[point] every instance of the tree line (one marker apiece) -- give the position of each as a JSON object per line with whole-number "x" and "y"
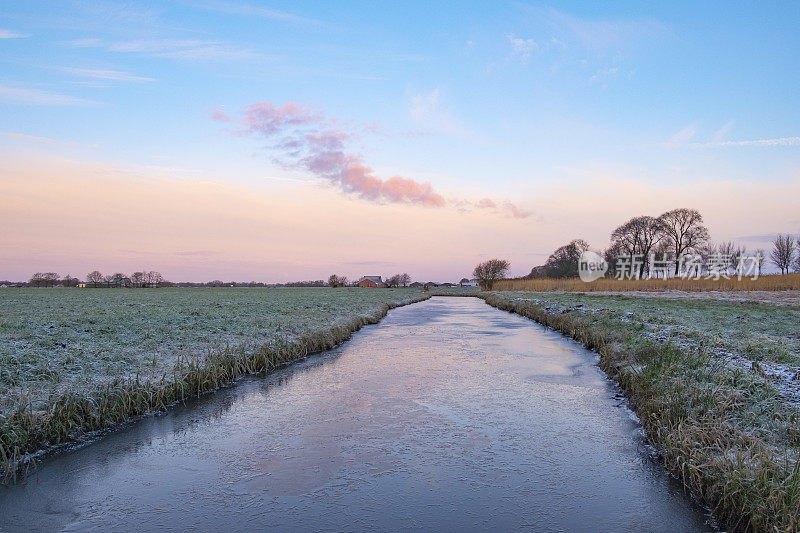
{"x": 673, "y": 235}
{"x": 150, "y": 278}
{"x": 397, "y": 280}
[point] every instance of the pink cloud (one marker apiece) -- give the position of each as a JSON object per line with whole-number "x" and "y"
{"x": 304, "y": 138}
{"x": 267, "y": 119}
{"x": 307, "y": 140}
{"x": 515, "y": 211}
{"x": 218, "y": 114}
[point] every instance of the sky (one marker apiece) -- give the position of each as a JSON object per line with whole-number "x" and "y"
{"x": 279, "y": 141}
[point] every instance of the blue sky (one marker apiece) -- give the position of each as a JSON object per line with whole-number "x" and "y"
{"x": 496, "y": 100}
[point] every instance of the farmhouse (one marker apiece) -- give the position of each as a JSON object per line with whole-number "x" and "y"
{"x": 371, "y": 281}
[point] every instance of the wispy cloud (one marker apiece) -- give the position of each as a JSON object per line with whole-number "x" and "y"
{"x": 113, "y": 75}
{"x": 430, "y": 110}
{"x": 196, "y": 253}
{"x": 89, "y": 42}
{"x": 188, "y": 49}
{"x": 522, "y": 48}
{"x": 515, "y": 211}
{"x": 249, "y": 10}
{"x": 720, "y": 134}
{"x": 682, "y": 136}
{"x": 219, "y": 114}
{"x": 781, "y": 141}
{"x": 40, "y": 140}
{"x": 26, "y": 96}
{"x": 598, "y": 34}
{"x": 8, "y": 34}
{"x": 604, "y": 74}
{"x": 505, "y": 208}
{"x": 27, "y": 138}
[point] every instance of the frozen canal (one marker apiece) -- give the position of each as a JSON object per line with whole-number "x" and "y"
{"x": 448, "y": 415}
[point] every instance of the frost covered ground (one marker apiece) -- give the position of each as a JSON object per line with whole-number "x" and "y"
{"x": 58, "y": 340}
{"x": 788, "y": 298}
{"x": 747, "y": 331}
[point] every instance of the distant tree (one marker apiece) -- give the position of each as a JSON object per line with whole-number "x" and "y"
{"x": 337, "y": 281}
{"x": 737, "y": 258}
{"x": 563, "y": 263}
{"x": 153, "y": 278}
{"x": 796, "y": 264}
{"x": 94, "y": 277}
{"x": 137, "y": 279}
{"x": 708, "y": 249}
{"x": 490, "y": 272}
{"x": 393, "y": 281}
{"x": 405, "y": 279}
{"x": 685, "y": 231}
{"x": 37, "y": 280}
{"x": 783, "y": 252}
{"x": 726, "y": 252}
{"x": 69, "y": 281}
{"x": 761, "y": 256}
{"x": 638, "y": 237}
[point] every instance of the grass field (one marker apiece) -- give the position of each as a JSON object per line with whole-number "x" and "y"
{"x": 772, "y": 282}
{"x": 76, "y": 360}
{"x": 714, "y": 383}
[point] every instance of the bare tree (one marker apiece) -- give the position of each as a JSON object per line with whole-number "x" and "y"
{"x": 726, "y": 251}
{"x": 685, "y": 230}
{"x": 796, "y": 264}
{"x": 393, "y": 281}
{"x": 783, "y": 252}
{"x": 94, "y": 277}
{"x": 37, "y": 280}
{"x": 490, "y": 272}
{"x": 738, "y": 258}
{"x": 761, "y": 256}
{"x": 153, "y": 278}
{"x": 137, "y": 279}
{"x": 405, "y": 279}
{"x": 637, "y": 237}
{"x": 337, "y": 281}
{"x": 69, "y": 281}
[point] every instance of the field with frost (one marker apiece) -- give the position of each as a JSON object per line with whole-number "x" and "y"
{"x": 57, "y": 339}
{"x": 77, "y": 360}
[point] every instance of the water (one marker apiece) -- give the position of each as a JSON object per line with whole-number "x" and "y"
{"x": 448, "y": 415}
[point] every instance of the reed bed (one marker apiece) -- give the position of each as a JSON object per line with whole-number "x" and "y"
{"x": 29, "y": 426}
{"x": 723, "y": 430}
{"x": 773, "y": 282}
